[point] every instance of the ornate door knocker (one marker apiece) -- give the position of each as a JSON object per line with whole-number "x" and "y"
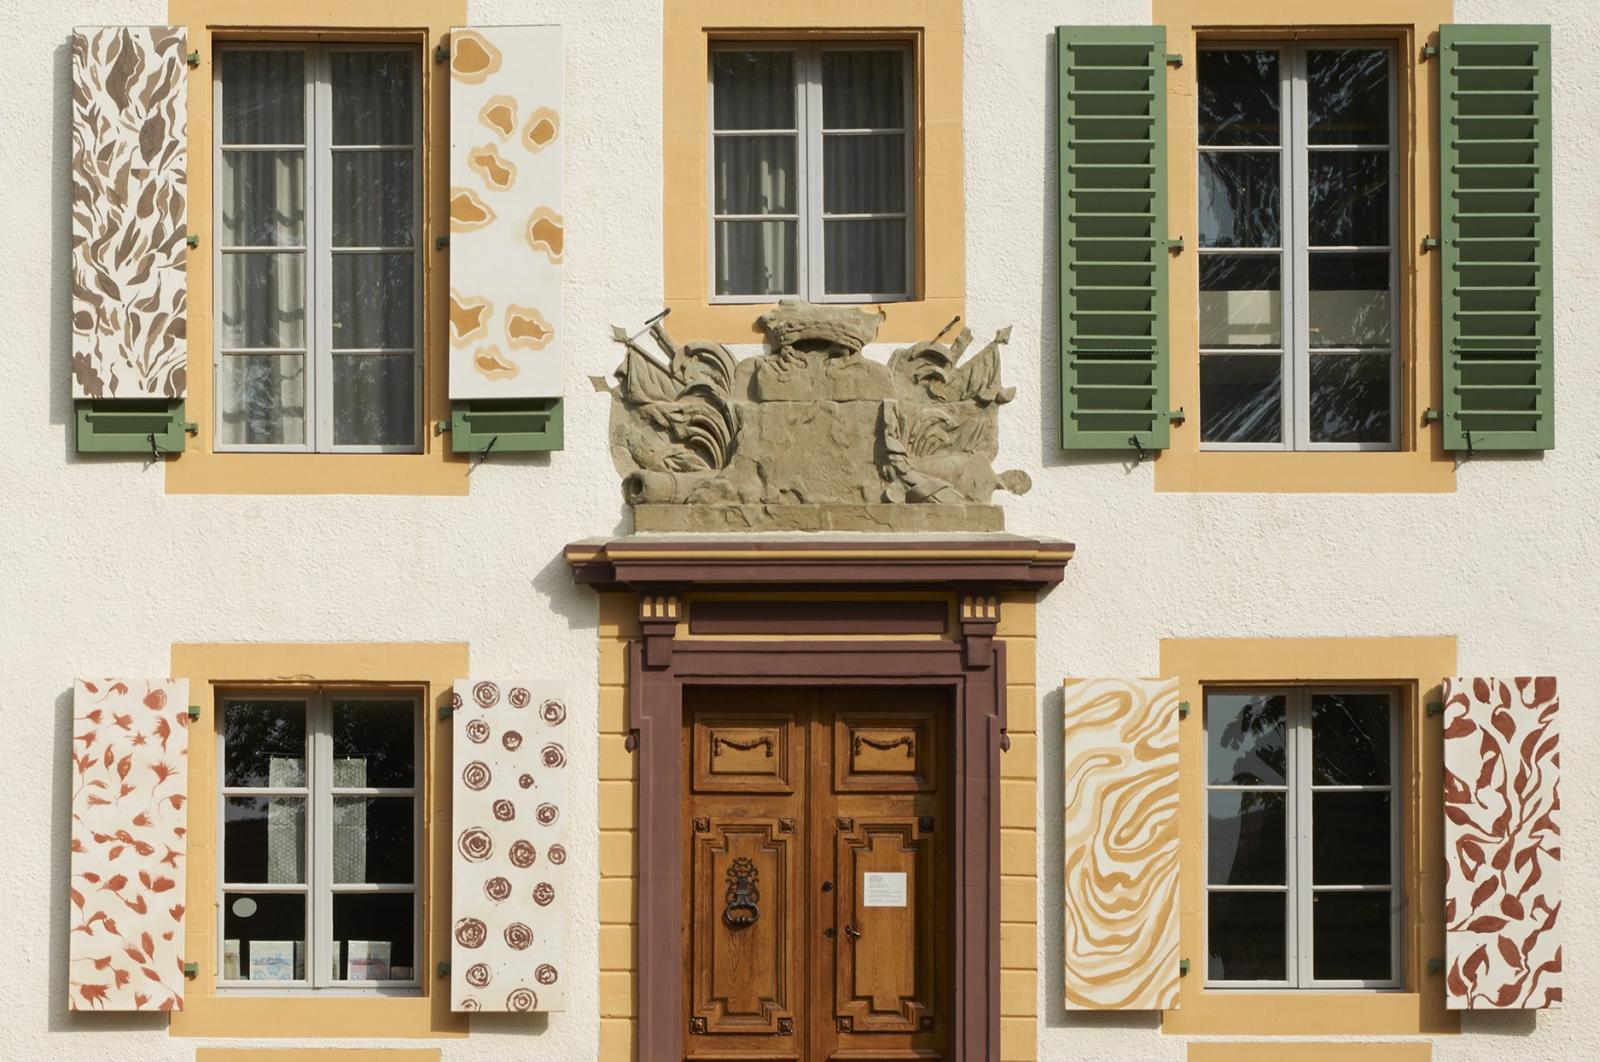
{"x": 742, "y": 897}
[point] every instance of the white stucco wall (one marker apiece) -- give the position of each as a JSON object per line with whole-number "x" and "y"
{"x": 102, "y": 570}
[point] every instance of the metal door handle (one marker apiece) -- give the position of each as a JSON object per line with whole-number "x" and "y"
{"x": 852, "y": 932}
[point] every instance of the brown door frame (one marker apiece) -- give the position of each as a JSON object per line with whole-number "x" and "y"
{"x": 976, "y": 686}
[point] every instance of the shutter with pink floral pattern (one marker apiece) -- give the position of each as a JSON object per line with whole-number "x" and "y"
{"x": 130, "y": 746}
{"x": 508, "y": 903}
{"x": 1502, "y": 808}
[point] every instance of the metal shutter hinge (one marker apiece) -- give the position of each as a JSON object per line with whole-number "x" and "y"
{"x": 443, "y": 969}
{"x": 446, "y": 712}
{"x": 192, "y": 241}
{"x": 441, "y": 426}
{"x": 1431, "y": 416}
{"x": 1430, "y": 243}
{"x": 1435, "y": 965}
{"x": 1430, "y": 51}
{"x": 1175, "y": 58}
{"x": 1183, "y": 709}
{"x": 193, "y": 58}
{"x": 441, "y": 242}
{"x": 1177, "y": 416}
{"x": 191, "y": 970}
{"x": 1183, "y": 967}
{"x": 441, "y": 54}
{"x": 194, "y": 711}
{"x": 1175, "y": 244}
{"x": 1435, "y": 708}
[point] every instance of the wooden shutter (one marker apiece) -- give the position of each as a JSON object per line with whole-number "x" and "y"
{"x": 130, "y": 745}
{"x": 129, "y": 213}
{"x": 1121, "y": 844}
{"x": 1113, "y": 228}
{"x": 508, "y": 884}
{"x": 507, "y": 235}
{"x": 1495, "y": 159}
{"x": 1502, "y": 832}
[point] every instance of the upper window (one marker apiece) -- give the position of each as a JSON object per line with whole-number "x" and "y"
{"x": 1302, "y": 839}
{"x": 1297, "y": 216}
{"x": 810, "y": 181}
{"x": 317, "y": 270}
{"x": 319, "y": 850}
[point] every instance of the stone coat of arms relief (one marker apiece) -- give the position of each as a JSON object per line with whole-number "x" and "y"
{"x": 810, "y": 435}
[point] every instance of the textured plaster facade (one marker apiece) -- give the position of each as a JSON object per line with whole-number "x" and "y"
{"x": 104, "y": 570}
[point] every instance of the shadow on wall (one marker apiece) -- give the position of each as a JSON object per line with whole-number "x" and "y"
{"x": 1052, "y": 861}
{"x": 1051, "y": 455}
{"x": 60, "y": 920}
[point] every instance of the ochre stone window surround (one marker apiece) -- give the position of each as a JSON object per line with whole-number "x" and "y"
{"x": 1415, "y": 666}
{"x": 432, "y": 668}
{"x": 424, "y": 24}
{"x": 1420, "y": 464}
{"x": 932, "y": 30}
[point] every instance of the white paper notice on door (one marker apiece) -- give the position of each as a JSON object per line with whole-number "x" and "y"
{"x": 883, "y": 890}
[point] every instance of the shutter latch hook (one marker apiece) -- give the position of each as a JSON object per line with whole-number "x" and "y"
{"x": 1133, "y": 441}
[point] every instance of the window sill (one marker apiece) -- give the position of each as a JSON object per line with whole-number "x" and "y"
{"x": 433, "y": 472}
{"x": 1184, "y": 469}
{"x": 1229, "y": 1012}
{"x": 907, "y": 321}
{"x": 236, "y": 1015}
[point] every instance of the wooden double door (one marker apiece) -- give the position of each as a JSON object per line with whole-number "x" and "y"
{"x": 817, "y": 874}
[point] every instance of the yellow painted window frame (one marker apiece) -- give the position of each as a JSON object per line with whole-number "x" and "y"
{"x": 432, "y": 667}
{"x": 933, "y": 30}
{"x": 1417, "y": 666}
{"x": 200, "y": 469}
{"x": 1420, "y": 464}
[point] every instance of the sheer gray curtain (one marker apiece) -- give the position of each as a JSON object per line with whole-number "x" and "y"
{"x": 262, "y": 207}
{"x": 865, "y": 171}
{"x": 755, "y": 173}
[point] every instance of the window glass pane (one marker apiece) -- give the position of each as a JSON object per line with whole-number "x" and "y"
{"x": 1350, "y": 300}
{"x": 1348, "y": 96}
{"x": 261, "y": 400}
{"x": 264, "y": 936}
{"x": 1351, "y": 936}
{"x": 756, "y": 258}
{"x": 1240, "y": 396}
{"x": 755, "y": 175}
{"x": 1246, "y": 936}
{"x": 1350, "y": 398}
{"x": 1350, "y": 838}
{"x": 1349, "y": 198}
{"x": 372, "y": 199}
{"x": 373, "y": 97}
{"x": 1239, "y": 199}
{"x": 1350, "y": 739}
{"x": 1245, "y": 839}
{"x": 1239, "y": 94}
{"x": 263, "y": 300}
{"x": 1241, "y": 300}
{"x": 264, "y": 841}
{"x": 263, "y": 96}
{"x": 374, "y": 744}
{"x": 372, "y": 301}
{"x": 373, "y": 937}
{"x": 263, "y": 199}
{"x": 372, "y": 840}
{"x": 863, "y": 89}
{"x": 864, "y": 174}
{"x": 374, "y": 400}
{"x": 264, "y": 743}
{"x": 865, "y": 257}
{"x": 1244, "y": 738}
{"x": 753, "y": 90}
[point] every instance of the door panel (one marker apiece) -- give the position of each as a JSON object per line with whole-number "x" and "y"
{"x": 817, "y": 875}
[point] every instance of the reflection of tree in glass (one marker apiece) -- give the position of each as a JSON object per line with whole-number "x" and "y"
{"x": 1238, "y": 97}
{"x": 255, "y": 732}
{"x": 1261, "y": 721}
{"x": 1350, "y": 739}
{"x": 1349, "y": 96}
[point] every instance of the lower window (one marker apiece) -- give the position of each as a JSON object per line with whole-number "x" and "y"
{"x": 319, "y": 850}
{"x": 1302, "y": 838}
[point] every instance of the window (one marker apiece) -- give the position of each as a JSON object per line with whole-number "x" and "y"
{"x": 317, "y": 270}
{"x": 1297, "y": 216}
{"x": 1302, "y": 838}
{"x": 811, "y": 173}
{"x": 319, "y": 850}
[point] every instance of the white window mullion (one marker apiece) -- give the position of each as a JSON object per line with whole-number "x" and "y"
{"x": 1297, "y": 258}
{"x": 1304, "y": 893}
{"x": 813, "y": 261}
{"x": 320, "y": 177}
{"x": 320, "y": 945}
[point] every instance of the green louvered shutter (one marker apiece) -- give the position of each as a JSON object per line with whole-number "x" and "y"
{"x": 1113, "y": 220}
{"x": 1495, "y": 158}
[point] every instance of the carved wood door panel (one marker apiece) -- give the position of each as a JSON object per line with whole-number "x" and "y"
{"x": 816, "y": 881}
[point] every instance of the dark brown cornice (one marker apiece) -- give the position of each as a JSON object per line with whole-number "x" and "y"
{"x": 682, "y": 562}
